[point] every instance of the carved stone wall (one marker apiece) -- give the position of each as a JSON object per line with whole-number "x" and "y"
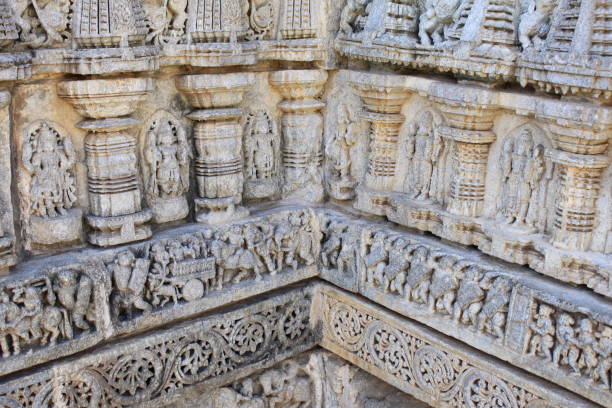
{"x": 193, "y": 191}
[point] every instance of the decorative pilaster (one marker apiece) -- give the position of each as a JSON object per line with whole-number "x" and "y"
{"x": 581, "y": 134}
{"x": 383, "y": 97}
{"x": 7, "y": 239}
{"x": 302, "y": 127}
{"x": 469, "y": 114}
{"x": 218, "y": 141}
{"x": 116, "y": 214}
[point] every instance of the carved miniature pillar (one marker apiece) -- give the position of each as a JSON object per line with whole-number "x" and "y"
{"x": 580, "y": 138}
{"x": 218, "y": 142}
{"x": 383, "y": 96}
{"x": 302, "y": 127}
{"x": 469, "y": 114}
{"x": 116, "y": 214}
{"x": 7, "y": 240}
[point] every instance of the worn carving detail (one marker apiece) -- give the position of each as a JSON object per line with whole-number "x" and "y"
{"x": 166, "y": 157}
{"x": 218, "y": 136}
{"x": 339, "y": 158}
{"x": 52, "y": 309}
{"x": 302, "y": 127}
{"x": 154, "y": 370}
{"x": 474, "y": 301}
{"x": 417, "y": 362}
{"x": 116, "y": 214}
{"x": 261, "y": 159}
{"x": 49, "y": 158}
{"x": 104, "y": 23}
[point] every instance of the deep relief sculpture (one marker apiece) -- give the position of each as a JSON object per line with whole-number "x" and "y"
{"x": 262, "y": 142}
{"x": 218, "y": 21}
{"x": 299, "y": 19}
{"x": 42, "y": 23}
{"x": 535, "y": 23}
{"x": 169, "y": 361}
{"x": 100, "y": 23}
{"x": 525, "y": 177}
{"x": 168, "y": 274}
{"x": 436, "y": 19}
{"x": 290, "y": 385}
{"x": 507, "y": 315}
{"x": 339, "y": 158}
{"x": 167, "y": 21}
{"x": 49, "y": 158}
{"x": 416, "y": 362}
{"x": 167, "y": 155}
{"x": 47, "y": 310}
{"x": 424, "y": 149}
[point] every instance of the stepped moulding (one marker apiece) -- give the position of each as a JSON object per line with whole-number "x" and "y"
{"x": 383, "y": 97}
{"x": 115, "y": 214}
{"x": 302, "y": 129}
{"x": 218, "y": 135}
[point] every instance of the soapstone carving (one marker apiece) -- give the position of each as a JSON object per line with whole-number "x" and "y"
{"x": 167, "y": 156}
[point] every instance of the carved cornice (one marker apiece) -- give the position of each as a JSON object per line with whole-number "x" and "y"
{"x": 156, "y": 368}
{"x": 418, "y": 361}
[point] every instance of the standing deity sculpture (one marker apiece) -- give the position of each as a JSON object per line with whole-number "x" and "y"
{"x": 423, "y": 150}
{"x": 166, "y": 158}
{"x": 523, "y": 167}
{"x": 49, "y": 158}
{"x": 435, "y": 19}
{"x": 261, "y": 144}
{"x": 535, "y": 23}
{"x": 338, "y": 153}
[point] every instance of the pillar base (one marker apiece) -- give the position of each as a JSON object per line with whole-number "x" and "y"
{"x": 215, "y": 211}
{"x": 121, "y": 229}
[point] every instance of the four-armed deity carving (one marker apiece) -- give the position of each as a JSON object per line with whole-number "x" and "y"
{"x": 167, "y": 155}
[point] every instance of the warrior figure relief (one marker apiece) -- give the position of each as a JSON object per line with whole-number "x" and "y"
{"x": 49, "y": 158}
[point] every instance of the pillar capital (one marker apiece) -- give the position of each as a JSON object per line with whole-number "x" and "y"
{"x": 115, "y": 215}
{"x": 218, "y": 141}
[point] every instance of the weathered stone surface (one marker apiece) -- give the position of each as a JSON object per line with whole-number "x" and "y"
{"x": 154, "y": 368}
{"x": 416, "y": 360}
{"x": 164, "y": 161}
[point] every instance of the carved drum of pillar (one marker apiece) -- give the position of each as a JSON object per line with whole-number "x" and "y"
{"x": 469, "y": 114}
{"x": 116, "y": 214}
{"x": 218, "y": 142}
{"x": 108, "y": 23}
{"x": 302, "y": 128}
{"x": 383, "y": 97}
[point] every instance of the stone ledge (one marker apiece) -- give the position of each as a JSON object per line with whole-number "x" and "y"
{"x": 418, "y": 361}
